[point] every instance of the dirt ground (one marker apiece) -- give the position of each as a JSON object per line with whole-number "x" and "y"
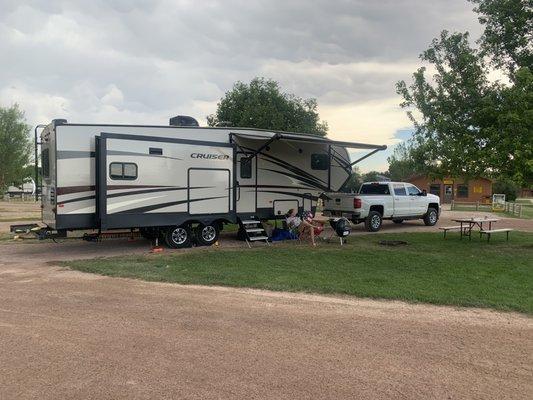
{"x": 66, "y": 334}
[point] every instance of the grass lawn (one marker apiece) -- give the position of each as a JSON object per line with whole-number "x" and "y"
{"x": 429, "y": 269}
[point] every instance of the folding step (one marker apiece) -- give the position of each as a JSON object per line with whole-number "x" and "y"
{"x": 249, "y": 230}
{"x": 254, "y": 238}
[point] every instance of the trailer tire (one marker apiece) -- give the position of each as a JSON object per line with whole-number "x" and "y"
{"x": 207, "y": 234}
{"x": 178, "y": 237}
{"x": 373, "y": 221}
{"x": 431, "y": 217}
{"x": 397, "y": 221}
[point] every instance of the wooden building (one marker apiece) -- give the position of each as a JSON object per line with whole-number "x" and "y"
{"x": 458, "y": 189}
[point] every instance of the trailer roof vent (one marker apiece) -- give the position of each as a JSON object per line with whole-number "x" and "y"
{"x": 183, "y": 120}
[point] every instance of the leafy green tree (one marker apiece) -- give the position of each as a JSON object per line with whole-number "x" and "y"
{"x": 405, "y": 162}
{"x": 507, "y": 187}
{"x": 262, "y": 104}
{"x": 453, "y": 105}
{"x": 373, "y": 176}
{"x": 508, "y": 32}
{"x": 467, "y": 125}
{"x": 15, "y": 146}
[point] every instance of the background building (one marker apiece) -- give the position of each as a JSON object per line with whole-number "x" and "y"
{"x": 458, "y": 189}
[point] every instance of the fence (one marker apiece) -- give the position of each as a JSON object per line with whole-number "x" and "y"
{"x": 474, "y": 205}
{"x": 514, "y": 208}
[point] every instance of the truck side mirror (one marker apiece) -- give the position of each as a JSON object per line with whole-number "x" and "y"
{"x": 424, "y": 192}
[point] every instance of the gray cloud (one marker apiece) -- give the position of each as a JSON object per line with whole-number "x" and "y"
{"x": 142, "y": 61}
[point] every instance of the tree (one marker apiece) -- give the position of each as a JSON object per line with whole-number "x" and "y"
{"x": 405, "y": 162}
{"x": 373, "y": 176}
{"x": 262, "y": 104}
{"x": 508, "y": 32}
{"x": 15, "y": 146}
{"x": 452, "y": 106}
{"x": 468, "y": 125}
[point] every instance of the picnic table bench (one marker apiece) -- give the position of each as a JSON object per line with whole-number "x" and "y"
{"x": 449, "y": 228}
{"x": 491, "y": 231}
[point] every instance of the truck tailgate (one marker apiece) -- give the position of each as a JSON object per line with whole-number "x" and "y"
{"x": 339, "y": 201}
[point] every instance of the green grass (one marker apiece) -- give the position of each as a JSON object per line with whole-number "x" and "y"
{"x": 14, "y": 219}
{"x": 429, "y": 269}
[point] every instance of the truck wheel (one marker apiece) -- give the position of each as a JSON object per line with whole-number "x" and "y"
{"x": 431, "y": 217}
{"x": 178, "y": 237}
{"x": 397, "y": 221}
{"x": 373, "y": 221}
{"x": 206, "y": 235}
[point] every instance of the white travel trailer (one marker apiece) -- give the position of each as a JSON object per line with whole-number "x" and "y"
{"x": 165, "y": 180}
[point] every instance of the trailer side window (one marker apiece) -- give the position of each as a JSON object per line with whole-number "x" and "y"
{"x": 319, "y": 161}
{"x": 246, "y": 168}
{"x": 123, "y": 171}
{"x": 45, "y": 163}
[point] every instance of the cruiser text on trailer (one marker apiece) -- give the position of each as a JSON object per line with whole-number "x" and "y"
{"x": 166, "y": 179}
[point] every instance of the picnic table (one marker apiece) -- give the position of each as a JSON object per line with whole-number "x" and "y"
{"x": 468, "y": 224}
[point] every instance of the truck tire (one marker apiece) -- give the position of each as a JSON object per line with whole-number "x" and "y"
{"x": 373, "y": 221}
{"x": 178, "y": 237}
{"x": 397, "y": 221}
{"x": 431, "y": 217}
{"x": 207, "y": 234}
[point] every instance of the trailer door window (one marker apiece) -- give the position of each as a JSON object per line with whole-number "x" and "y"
{"x": 319, "y": 161}
{"x": 123, "y": 171}
{"x": 45, "y": 163}
{"x": 246, "y": 168}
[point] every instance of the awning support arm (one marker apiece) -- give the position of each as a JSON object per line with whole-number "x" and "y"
{"x": 277, "y": 136}
{"x": 366, "y": 156}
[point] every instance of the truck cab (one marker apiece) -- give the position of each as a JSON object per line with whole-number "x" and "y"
{"x": 376, "y": 201}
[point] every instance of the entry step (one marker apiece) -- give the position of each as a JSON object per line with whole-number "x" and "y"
{"x": 254, "y": 230}
{"x": 254, "y": 238}
{"x": 250, "y": 221}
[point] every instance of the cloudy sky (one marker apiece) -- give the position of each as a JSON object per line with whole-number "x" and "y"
{"x": 142, "y": 61}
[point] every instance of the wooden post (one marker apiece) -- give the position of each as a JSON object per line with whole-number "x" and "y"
{"x": 477, "y": 205}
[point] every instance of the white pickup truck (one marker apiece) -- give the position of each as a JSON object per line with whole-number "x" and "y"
{"x": 377, "y": 201}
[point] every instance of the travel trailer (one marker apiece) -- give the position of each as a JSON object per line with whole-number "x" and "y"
{"x": 182, "y": 183}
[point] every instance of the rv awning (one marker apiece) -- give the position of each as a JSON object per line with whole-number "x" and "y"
{"x": 300, "y": 137}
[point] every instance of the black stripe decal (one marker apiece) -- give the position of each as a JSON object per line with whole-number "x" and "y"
{"x": 163, "y": 205}
{"x": 131, "y": 193}
{"x": 301, "y": 195}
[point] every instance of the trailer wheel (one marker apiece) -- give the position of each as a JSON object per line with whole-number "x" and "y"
{"x": 207, "y": 234}
{"x": 178, "y": 237}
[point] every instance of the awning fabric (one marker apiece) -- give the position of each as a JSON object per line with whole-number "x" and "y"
{"x": 301, "y": 137}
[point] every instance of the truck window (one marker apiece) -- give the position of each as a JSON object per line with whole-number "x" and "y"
{"x": 374, "y": 188}
{"x": 399, "y": 190}
{"x": 413, "y": 190}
